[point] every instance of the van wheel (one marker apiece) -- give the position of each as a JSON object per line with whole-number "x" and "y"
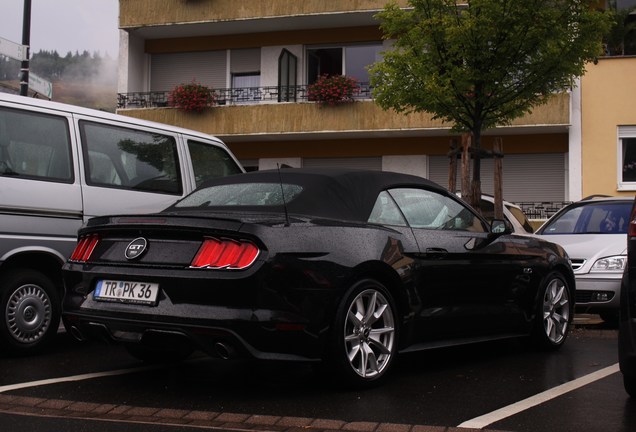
{"x": 29, "y": 311}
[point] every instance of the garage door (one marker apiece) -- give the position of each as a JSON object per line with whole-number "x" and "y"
{"x": 526, "y": 178}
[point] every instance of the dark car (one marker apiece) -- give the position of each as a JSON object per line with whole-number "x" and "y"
{"x": 627, "y": 323}
{"x": 342, "y": 267}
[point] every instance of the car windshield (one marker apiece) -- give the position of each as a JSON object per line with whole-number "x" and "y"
{"x": 591, "y": 218}
{"x": 242, "y": 194}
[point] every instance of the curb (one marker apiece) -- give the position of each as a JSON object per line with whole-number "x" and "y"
{"x": 59, "y": 408}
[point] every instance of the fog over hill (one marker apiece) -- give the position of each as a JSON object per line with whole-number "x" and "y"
{"x": 83, "y": 79}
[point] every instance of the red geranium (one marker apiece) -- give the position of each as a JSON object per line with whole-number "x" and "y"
{"x": 192, "y": 97}
{"x": 332, "y": 89}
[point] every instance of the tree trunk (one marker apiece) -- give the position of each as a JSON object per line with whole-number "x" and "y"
{"x": 452, "y": 168}
{"x": 466, "y": 188}
{"x": 476, "y": 182}
{"x": 498, "y": 155}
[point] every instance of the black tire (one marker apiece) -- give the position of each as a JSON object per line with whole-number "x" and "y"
{"x": 554, "y": 312}
{"x": 364, "y": 339}
{"x": 30, "y": 311}
{"x": 629, "y": 383}
{"x": 153, "y": 354}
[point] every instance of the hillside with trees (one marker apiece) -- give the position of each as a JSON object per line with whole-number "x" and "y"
{"x": 84, "y": 79}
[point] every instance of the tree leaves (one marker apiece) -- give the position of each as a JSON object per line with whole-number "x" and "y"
{"x": 486, "y": 62}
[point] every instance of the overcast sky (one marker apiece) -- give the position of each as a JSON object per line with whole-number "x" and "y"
{"x": 64, "y": 25}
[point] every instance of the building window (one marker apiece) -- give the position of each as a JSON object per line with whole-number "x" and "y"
{"x": 323, "y": 61}
{"x": 350, "y": 60}
{"x": 359, "y": 58}
{"x": 627, "y": 175}
{"x": 246, "y": 87}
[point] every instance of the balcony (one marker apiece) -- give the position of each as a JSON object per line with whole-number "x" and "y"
{"x": 232, "y": 96}
{"x": 265, "y": 114}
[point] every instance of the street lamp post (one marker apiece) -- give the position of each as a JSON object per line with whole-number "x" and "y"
{"x": 26, "y": 41}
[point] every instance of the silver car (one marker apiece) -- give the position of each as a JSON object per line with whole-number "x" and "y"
{"x": 593, "y": 232}
{"x": 512, "y": 213}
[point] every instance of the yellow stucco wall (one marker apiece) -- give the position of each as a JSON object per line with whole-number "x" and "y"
{"x": 135, "y": 13}
{"x": 608, "y": 100}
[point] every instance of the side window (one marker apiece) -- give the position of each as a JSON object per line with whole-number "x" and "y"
{"x": 210, "y": 162}
{"x": 386, "y": 212}
{"x": 427, "y": 209}
{"x": 130, "y": 159}
{"x": 35, "y": 146}
{"x": 607, "y": 218}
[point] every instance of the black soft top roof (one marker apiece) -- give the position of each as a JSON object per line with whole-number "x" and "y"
{"x": 333, "y": 193}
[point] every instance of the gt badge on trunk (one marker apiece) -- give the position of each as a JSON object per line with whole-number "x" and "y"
{"x": 136, "y": 248}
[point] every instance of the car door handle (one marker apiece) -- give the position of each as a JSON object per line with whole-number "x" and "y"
{"x": 432, "y": 252}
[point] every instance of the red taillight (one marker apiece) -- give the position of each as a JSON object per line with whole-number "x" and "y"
{"x": 85, "y": 247}
{"x": 225, "y": 253}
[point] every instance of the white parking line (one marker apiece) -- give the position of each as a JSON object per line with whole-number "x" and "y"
{"x": 510, "y": 410}
{"x": 77, "y": 378}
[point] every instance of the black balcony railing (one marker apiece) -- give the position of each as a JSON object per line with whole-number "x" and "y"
{"x": 542, "y": 210}
{"x": 232, "y": 96}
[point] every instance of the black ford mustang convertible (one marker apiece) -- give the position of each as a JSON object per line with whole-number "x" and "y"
{"x": 339, "y": 266}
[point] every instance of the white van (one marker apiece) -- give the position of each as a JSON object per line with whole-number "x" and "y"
{"x": 59, "y": 166}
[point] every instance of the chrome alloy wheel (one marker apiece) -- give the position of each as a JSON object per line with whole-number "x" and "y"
{"x": 556, "y": 311}
{"x": 369, "y": 333}
{"x": 29, "y": 313}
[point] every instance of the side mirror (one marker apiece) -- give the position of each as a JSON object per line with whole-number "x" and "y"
{"x": 499, "y": 226}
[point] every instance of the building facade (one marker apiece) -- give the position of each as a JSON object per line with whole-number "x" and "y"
{"x": 260, "y": 56}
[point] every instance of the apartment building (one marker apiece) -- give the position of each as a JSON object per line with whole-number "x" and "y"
{"x": 260, "y": 56}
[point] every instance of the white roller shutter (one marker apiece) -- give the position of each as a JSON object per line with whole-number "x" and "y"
{"x": 245, "y": 61}
{"x": 526, "y": 178}
{"x": 626, "y": 131}
{"x": 169, "y": 70}
{"x": 371, "y": 163}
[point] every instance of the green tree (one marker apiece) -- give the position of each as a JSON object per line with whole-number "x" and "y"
{"x": 622, "y": 35}
{"x": 481, "y": 63}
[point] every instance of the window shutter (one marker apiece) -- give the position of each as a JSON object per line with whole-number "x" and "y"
{"x": 207, "y": 68}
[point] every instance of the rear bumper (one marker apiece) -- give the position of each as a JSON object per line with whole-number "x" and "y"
{"x": 241, "y": 339}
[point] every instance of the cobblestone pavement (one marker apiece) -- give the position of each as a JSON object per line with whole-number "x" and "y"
{"x": 200, "y": 419}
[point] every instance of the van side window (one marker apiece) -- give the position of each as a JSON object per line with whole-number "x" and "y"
{"x": 131, "y": 159}
{"x": 35, "y": 146}
{"x": 210, "y": 162}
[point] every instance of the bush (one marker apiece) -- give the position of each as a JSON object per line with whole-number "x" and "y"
{"x": 332, "y": 89}
{"x": 192, "y": 97}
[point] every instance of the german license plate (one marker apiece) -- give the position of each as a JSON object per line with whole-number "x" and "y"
{"x": 127, "y": 292}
